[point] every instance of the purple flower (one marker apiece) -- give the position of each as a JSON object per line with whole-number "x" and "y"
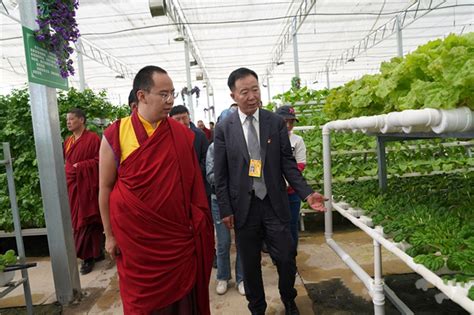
{"x": 57, "y": 28}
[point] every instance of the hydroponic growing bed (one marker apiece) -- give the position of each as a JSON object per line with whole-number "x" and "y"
{"x": 426, "y": 222}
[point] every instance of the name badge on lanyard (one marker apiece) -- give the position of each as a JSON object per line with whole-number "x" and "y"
{"x": 255, "y": 168}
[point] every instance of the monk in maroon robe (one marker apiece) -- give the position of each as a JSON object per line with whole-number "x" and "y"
{"x": 154, "y": 206}
{"x": 81, "y": 152}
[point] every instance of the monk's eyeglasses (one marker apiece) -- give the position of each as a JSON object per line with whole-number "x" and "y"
{"x": 166, "y": 97}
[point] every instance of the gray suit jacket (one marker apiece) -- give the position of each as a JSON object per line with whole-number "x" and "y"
{"x": 231, "y": 166}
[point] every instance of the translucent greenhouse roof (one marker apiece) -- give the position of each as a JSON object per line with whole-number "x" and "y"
{"x": 226, "y": 35}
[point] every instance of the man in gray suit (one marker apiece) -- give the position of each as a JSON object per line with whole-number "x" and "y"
{"x": 252, "y": 160}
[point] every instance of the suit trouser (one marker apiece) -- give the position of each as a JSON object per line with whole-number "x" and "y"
{"x": 263, "y": 224}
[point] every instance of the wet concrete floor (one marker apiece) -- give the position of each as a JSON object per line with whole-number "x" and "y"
{"x": 320, "y": 269}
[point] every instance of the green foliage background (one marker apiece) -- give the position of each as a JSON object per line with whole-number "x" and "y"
{"x": 17, "y": 129}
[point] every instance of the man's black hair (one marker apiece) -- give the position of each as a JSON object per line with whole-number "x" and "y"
{"x": 132, "y": 97}
{"x": 178, "y": 109}
{"x": 239, "y": 74}
{"x": 79, "y": 113}
{"x": 144, "y": 78}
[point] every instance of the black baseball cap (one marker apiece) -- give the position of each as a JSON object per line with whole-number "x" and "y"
{"x": 287, "y": 112}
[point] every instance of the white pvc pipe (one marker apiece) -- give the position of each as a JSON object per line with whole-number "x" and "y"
{"x": 378, "y": 296}
{"x": 410, "y": 117}
{"x": 327, "y": 182}
{"x": 347, "y": 259}
{"x": 304, "y": 128}
{"x": 450, "y": 291}
{"x": 439, "y": 121}
{"x": 459, "y": 119}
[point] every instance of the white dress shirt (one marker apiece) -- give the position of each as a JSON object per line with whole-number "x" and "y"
{"x": 244, "y": 123}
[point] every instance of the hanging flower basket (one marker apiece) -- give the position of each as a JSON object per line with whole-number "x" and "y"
{"x": 57, "y": 29}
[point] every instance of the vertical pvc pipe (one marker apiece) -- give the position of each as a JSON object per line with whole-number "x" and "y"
{"x": 378, "y": 298}
{"x": 327, "y": 181}
{"x": 188, "y": 80}
{"x": 295, "y": 50}
{"x": 399, "y": 37}
{"x": 80, "y": 65}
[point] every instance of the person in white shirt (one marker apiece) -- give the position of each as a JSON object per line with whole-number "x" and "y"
{"x": 299, "y": 152}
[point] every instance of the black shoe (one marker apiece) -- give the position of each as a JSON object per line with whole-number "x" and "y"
{"x": 87, "y": 266}
{"x": 100, "y": 257}
{"x": 291, "y": 308}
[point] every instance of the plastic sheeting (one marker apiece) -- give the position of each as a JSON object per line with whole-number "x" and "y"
{"x": 231, "y": 34}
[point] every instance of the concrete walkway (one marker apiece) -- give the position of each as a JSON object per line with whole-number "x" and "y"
{"x": 316, "y": 262}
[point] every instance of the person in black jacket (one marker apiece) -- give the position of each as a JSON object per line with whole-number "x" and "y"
{"x": 252, "y": 159}
{"x": 181, "y": 114}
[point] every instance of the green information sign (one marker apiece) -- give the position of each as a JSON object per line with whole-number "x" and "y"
{"x": 41, "y": 63}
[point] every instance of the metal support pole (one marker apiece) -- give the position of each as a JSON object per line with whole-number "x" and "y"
{"x": 327, "y": 77}
{"x": 80, "y": 64}
{"x": 208, "y": 104}
{"x": 399, "y": 38}
{"x": 49, "y": 153}
{"x": 188, "y": 79}
{"x": 268, "y": 90}
{"x": 17, "y": 226}
{"x": 382, "y": 164}
{"x": 295, "y": 50}
{"x": 214, "y": 107}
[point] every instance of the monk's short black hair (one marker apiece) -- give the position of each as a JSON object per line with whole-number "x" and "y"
{"x": 132, "y": 97}
{"x": 144, "y": 78}
{"x": 178, "y": 109}
{"x": 79, "y": 113}
{"x": 239, "y": 74}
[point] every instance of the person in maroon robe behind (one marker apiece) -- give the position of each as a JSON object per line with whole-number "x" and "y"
{"x": 206, "y": 131}
{"x": 153, "y": 205}
{"x": 81, "y": 153}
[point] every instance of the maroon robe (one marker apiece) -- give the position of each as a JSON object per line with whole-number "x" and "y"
{"x": 161, "y": 221}
{"x": 83, "y": 189}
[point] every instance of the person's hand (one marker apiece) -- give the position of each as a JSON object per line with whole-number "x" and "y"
{"x": 111, "y": 247}
{"x": 74, "y": 165}
{"x": 229, "y": 222}
{"x": 316, "y": 201}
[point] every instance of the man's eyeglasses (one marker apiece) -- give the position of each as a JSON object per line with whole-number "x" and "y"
{"x": 166, "y": 97}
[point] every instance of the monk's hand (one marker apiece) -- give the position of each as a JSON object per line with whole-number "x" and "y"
{"x": 111, "y": 247}
{"x": 229, "y": 222}
{"x": 316, "y": 201}
{"x": 74, "y": 165}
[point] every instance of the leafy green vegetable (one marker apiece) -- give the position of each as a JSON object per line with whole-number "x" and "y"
{"x": 6, "y": 259}
{"x": 439, "y": 74}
